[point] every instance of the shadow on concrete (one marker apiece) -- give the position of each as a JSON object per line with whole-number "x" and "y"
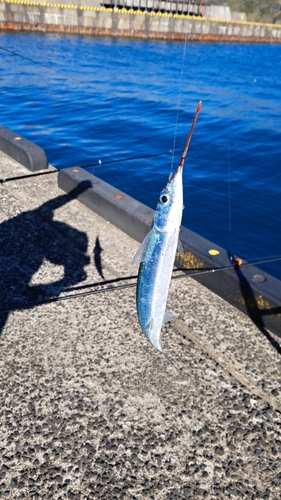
{"x": 97, "y": 257}
{"x": 32, "y": 237}
{"x": 255, "y": 313}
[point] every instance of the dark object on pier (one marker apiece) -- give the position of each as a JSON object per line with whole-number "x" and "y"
{"x": 20, "y": 149}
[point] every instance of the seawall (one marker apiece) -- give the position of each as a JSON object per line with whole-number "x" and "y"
{"x": 17, "y": 15}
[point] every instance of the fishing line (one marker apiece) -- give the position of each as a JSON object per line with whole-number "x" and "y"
{"x": 226, "y": 268}
{"x": 102, "y": 163}
{"x": 102, "y": 287}
{"x": 229, "y": 194}
{"x": 179, "y": 103}
{"x": 39, "y": 64}
{"x": 228, "y": 166}
{"x": 253, "y": 260}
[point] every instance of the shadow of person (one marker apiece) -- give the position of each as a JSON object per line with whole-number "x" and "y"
{"x": 29, "y": 239}
{"x": 253, "y": 310}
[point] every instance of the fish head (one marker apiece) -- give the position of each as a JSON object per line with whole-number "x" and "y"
{"x": 169, "y": 208}
{"x": 168, "y": 212}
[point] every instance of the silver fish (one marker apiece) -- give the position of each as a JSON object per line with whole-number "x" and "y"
{"x": 157, "y": 253}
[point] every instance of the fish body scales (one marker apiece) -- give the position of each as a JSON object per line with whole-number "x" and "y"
{"x": 157, "y": 252}
{"x": 153, "y": 283}
{"x": 156, "y": 255}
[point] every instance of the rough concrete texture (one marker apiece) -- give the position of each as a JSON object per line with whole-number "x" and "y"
{"x": 88, "y": 408}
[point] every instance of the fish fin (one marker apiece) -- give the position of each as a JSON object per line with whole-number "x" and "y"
{"x": 139, "y": 257}
{"x": 171, "y": 362}
{"x": 168, "y": 317}
{"x": 180, "y": 249}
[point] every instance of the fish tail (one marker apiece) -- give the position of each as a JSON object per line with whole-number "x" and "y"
{"x": 171, "y": 362}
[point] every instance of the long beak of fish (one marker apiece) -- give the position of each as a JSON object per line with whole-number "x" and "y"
{"x": 184, "y": 153}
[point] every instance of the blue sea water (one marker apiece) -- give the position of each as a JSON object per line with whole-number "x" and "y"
{"x": 109, "y": 99}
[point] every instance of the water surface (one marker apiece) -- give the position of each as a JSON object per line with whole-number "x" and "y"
{"x": 112, "y": 99}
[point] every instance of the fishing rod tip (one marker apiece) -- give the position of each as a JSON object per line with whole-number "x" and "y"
{"x": 238, "y": 262}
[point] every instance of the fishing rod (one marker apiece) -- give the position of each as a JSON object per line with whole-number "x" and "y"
{"x": 99, "y": 164}
{"x": 18, "y": 177}
{"x": 106, "y": 285}
{"x": 95, "y": 165}
{"x": 99, "y": 288}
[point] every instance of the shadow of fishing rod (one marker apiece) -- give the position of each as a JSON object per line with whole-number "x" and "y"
{"x": 253, "y": 310}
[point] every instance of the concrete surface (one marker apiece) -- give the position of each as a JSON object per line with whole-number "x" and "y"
{"x": 88, "y": 408}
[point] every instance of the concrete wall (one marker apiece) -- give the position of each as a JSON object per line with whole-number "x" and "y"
{"x": 99, "y": 21}
{"x": 217, "y": 12}
{"x": 238, "y": 16}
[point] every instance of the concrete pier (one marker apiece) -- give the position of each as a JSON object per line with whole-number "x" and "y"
{"x": 21, "y": 15}
{"x": 88, "y": 409}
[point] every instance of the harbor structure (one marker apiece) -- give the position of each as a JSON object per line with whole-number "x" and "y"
{"x": 159, "y": 20}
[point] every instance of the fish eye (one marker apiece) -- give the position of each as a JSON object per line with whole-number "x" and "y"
{"x": 164, "y": 198}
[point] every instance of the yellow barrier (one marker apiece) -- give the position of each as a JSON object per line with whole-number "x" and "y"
{"x": 141, "y": 13}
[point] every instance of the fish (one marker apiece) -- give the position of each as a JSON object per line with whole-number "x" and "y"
{"x": 156, "y": 255}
